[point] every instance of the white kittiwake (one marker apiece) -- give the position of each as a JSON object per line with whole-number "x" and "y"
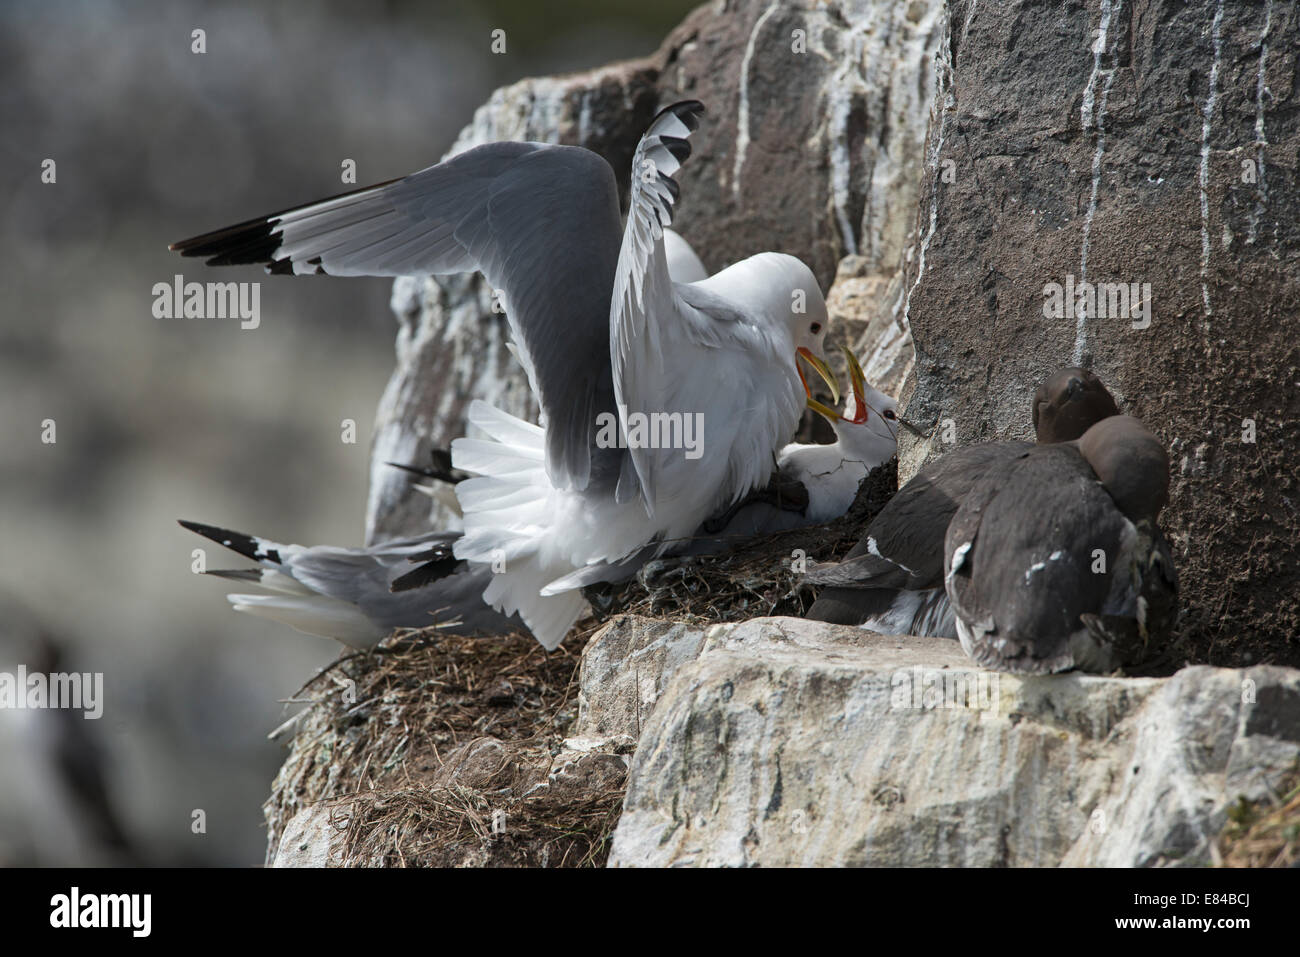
{"x": 866, "y": 436}
{"x": 813, "y": 484}
{"x": 662, "y": 403}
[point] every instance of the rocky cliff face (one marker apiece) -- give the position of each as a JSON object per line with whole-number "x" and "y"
{"x": 960, "y": 171}
{"x": 1151, "y": 148}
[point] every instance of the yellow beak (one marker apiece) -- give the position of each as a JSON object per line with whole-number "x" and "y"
{"x": 858, "y": 381}
{"x": 827, "y": 376}
{"x": 856, "y": 375}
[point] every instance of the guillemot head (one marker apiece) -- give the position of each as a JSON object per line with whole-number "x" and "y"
{"x": 1131, "y": 463}
{"x": 1068, "y": 403}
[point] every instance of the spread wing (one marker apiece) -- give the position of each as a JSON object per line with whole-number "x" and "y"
{"x": 645, "y": 302}
{"x": 542, "y": 224}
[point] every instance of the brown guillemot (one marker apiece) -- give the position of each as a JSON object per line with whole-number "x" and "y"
{"x": 892, "y": 580}
{"x": 1055, "y": 561}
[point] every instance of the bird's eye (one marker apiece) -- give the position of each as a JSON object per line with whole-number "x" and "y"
{"x": 890, "y": 414}
{"x": 816, "y": 328}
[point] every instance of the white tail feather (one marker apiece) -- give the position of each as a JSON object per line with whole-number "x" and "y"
{"x": 509, "y": 517}
{"x": 512, "y": 432}
{"x": 314, "y": 615}
{"x": 278, "y": 581}
{"x": 548, "y": 618}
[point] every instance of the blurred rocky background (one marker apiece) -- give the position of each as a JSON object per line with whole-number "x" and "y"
{"x": 162, "y": 419}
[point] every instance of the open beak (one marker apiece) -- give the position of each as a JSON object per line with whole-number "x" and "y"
{"x": 827, "y": 376}
{"x": 857, "y": 380}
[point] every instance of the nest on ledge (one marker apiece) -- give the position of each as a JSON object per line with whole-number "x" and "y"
{"x": 757, "y": 578}
{"x": 438, "y": 750}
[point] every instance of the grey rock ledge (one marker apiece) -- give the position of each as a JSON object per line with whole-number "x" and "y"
{"x": 783, "y": 742}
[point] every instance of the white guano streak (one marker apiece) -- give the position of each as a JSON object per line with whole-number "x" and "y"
{"x": 1205, "y": 159}
{"x": 840, "y": 96}
{"x": 742, "y": 120}
{"x": 944, "y": 65}
{"x": 970, "y": 15}
{"x": 584, "y": 118}
{"x": 1094, "y": 117}
{"x": 1261, "y": 141}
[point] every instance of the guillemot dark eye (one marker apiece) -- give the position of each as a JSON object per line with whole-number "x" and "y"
{"x": 816, "y": 328}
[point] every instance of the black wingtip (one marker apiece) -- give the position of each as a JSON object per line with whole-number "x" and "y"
{"x": 440, "y": 469}
{"x": 677, "y": 146}
{"x": 426, "y": 574}
{"x": 248, "y": 243}
{"x": 254, "y": 241}
{"x": 207, "y": 531}
{"x": 688, "y": 111}
{"x": 434, "y": 553}
{"x": 245, "y": 545}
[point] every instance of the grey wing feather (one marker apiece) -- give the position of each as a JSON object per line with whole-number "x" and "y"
{"x": 349, "y": 574}
{"x": 457, "y": 598}
{"x": 542, "y": 224}
{"x": 363, "y": 577}
{"x": 861, "y": 573}
{"x": 708, "y": 302}
{"x": 904, "y": 544}
{"x": 642, "y": 280}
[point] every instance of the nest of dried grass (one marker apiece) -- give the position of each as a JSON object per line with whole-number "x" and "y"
{"x": 438, "y": 750}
